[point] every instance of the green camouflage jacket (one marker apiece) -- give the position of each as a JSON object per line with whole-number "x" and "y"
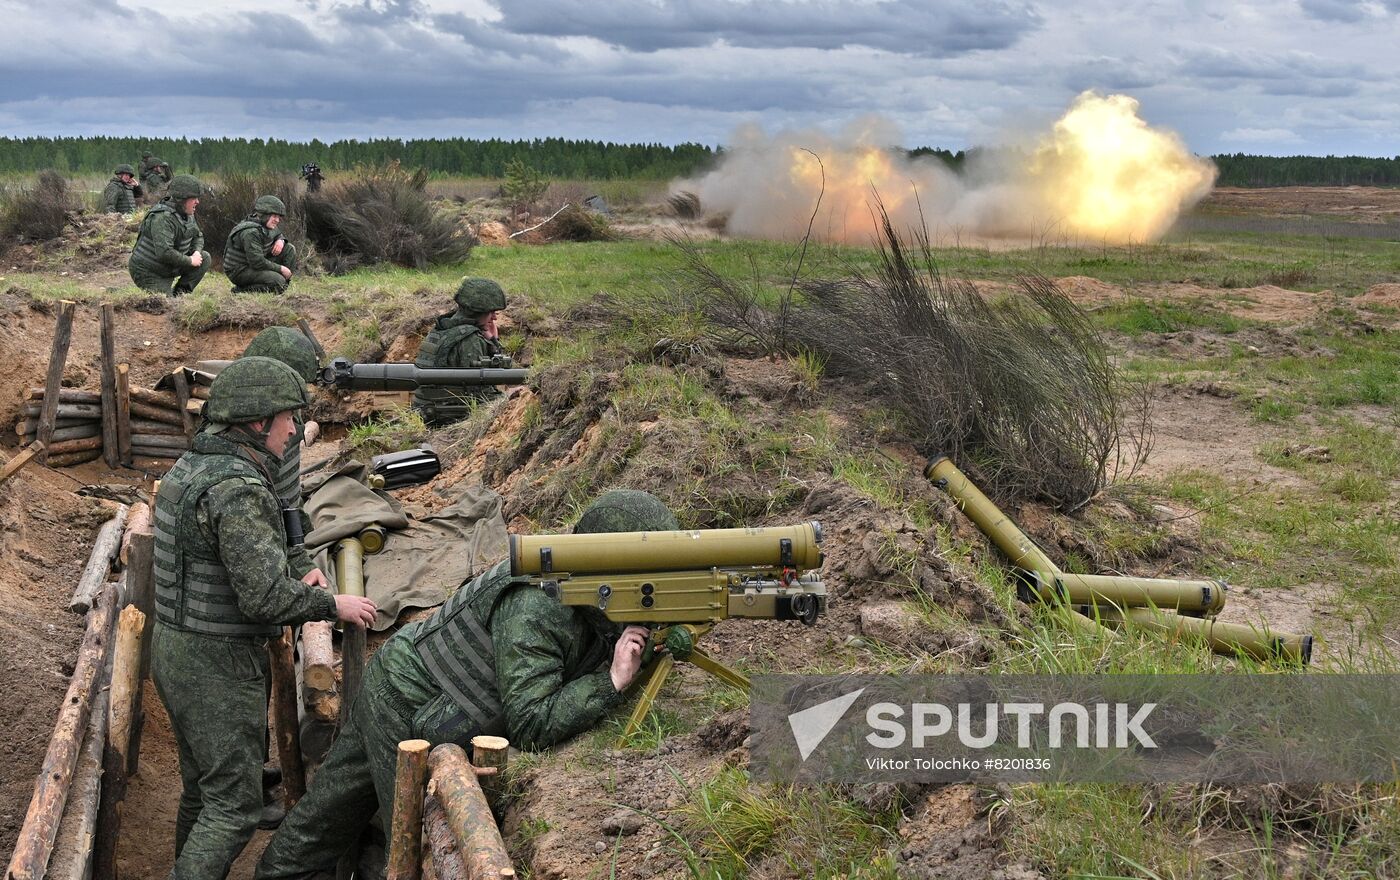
{"x": 249, "y": 249}
{"x": 166, "y": 240}
{"x": 120, "y": 197}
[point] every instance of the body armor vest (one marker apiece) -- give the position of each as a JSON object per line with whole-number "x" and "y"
{"x": 193, "y": 591}
{"x": 146, "y": 256}
{"x": 235, "y": 259}
{"x": 438, "y": 402}
{"x": 455, "y": 645}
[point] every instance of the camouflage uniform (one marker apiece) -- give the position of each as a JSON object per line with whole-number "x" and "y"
{"x": 120, "y": 197}
{"x": 248, "y": 258}
{"x": 456, "y": 342}
{"x": 155, "y": 174}
{"x": 167, "y": 239}
{"x": 222, "y": 592}
{"x": 500, "y": 657}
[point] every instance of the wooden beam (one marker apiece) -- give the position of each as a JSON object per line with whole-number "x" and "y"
{"x": 155, "y": 413}
{"x": 442, "y": 843}
{"x": 124, "y": 412}
{"x": 140, "y": 585}
{"x": 35, "y": 842}
{"x": 305, "y": 326}
{"x": 469, "y": 815}
{"x": 284, "y": 711}
{"x": 72, "y": 411}
{"x": 22, "y": 458}
{"x": 406, "y": 822}
{"x": 492, "y": 752}
{"x": 126, "y": 670}
{"x": 108, "y": 366}
{"x": 69, "y": 459}
{"x": 80, "y": 431}
{"x": 67, "y": 395}
{"x": 182, "y": 398}
{"x": 104, "y": 550}
{"x": 53, "y": 381}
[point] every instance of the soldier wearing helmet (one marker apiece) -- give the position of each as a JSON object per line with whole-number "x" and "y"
{"x": 155, "y": 174}
{"x": 222, "y": 591}
{"x": 499, "y": 658}
{"x": 464, "y": 338}
{"x": 257, "y": 257}
{"x": 170, "y": 246}
{"x": 122, "y": 191}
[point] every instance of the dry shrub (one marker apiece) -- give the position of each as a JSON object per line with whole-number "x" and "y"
{"x": 40, "y": 212}
{"x": 576, "y": 223}
{"x": 684, "y": 204}
{"x": 1021, "y": 392}
{"x": 382, "y": 215}
{"x": 232, "y": 201}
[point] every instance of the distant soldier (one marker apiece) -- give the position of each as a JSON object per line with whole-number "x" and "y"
{"x": 463, "y": 339}
{"x": 257, "y": 258}
{"x": 122, "y": 191}
{"x": 169, "y": 246}
{"x": 311, "y": 172}
{"x": 155, "y": 174}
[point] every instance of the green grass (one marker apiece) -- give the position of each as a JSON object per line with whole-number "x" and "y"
{"x": 1161, "y": 316}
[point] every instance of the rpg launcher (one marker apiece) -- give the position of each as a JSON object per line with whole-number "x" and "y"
{"x": 498, "y": 370}
{"x": 680, "y": 584}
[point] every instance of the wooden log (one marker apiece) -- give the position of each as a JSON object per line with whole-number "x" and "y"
{"x": 305, "y": 326}
{"x": 158, "y": 452}
{"x": 75, "y": 458}
{"x": 53, "y": 381}
{"x": 194, "y": 407}
{"x": 165, "y": 429}
{"x": 104, "y": 550}
{"x": 36, "y": 838}
{"x": 284, "y": 706}
{"x": 124, "y": 412}
{"x": 31, "y": 425}
{"x": 321, "y": 697}
{"x": 107, "y": 364}
{"x": 126, "y": 688}
{"x": 68, "y": 395}
{"x": 155, "y": 398}
{"x": 91, "y": 412}
{"x": 141, "y": 590}
{"x": 491, "y": 752}
{"x": 139, "y": 521}
{"x": 406, "y": 821}
{"x": 352, "y": 667}
{"x": 468, "y": 814}
{"x": 83, "y": 444}
{"x": 442, "y": 843}
{"x": 161, "y": 441}
{"x": 152, "y": 465}
{"x": 200, "y": 392}
{"x": 156, "y": 413}
{"x": 22, "y": 458}
{"x": 80, "y": 431}
{"x": 182, "y": 398}
{"x": 77, "y": 832}
{"x": 313, "y": 431}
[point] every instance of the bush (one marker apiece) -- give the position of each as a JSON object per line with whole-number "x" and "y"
{"x": 40, "y": 212}
{"x": 232, "y": 201}
{"x": 382, "y": 215}
{"x": 523, "y": 186}
{"x": 685, "y": 205}
{"x": 576, "y": 223}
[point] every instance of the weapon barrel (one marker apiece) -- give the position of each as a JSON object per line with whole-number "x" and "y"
{"x": 995, "y": 524}
{"x": 1259, "y": 642}
{"x": 777, "y": 547}
{"x": 349, "y": 567}
{"x": 407, "y": 377}
{"x": 1206, "y": 596}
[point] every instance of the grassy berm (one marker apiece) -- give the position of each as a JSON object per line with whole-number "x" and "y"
{"x": 1271, "y": 365}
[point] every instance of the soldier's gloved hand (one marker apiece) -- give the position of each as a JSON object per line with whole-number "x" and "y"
{"x": 354, "y": 609}
{"x": 627, "y": 655}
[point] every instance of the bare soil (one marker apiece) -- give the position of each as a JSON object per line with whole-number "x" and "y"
{"x": 1372, "y": 204}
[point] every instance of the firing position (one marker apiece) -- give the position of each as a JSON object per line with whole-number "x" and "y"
{"x": 465, "y": 338}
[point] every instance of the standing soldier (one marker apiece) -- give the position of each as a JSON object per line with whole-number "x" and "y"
{"x": 169, "y": 245}
{"x": 122, "y": 191}
{"x": 257, "y": 257}
{"x": 155, "y": 174}
{"x": 222, "y": 591}
{"x": 311, "y": 173}
{"x": 463, "y": 339}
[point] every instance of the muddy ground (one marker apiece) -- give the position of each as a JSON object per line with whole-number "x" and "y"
{"x": 579, "y": 816}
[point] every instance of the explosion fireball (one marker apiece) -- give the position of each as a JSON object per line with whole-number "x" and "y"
{"x": 1100, "y": 174}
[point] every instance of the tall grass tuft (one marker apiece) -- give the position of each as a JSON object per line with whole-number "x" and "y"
{"x": 232, "y": 201}
{"x": 40, "y": 212}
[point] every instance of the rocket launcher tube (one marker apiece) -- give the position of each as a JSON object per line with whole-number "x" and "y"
{"x": 996, "y": 525}
{"x": 773, "y": 548}
{"x": 1228, "y": 639}
{"x": 1206, "y": 596}
{"x": 406, "y": 377}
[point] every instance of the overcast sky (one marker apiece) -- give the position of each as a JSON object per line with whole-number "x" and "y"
{"x": 1293, "y": 76}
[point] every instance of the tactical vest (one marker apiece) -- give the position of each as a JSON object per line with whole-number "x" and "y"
{"x": 146, "y": 256}
{"x": 124, "y": 197}
{"x": 439, "y": 403}
{"x": 235, "y": 258}
{"x": 455, "y": 645}
{"x": 193, "y": 591}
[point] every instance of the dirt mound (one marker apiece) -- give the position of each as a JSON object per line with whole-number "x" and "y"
{"x": 493, "y": 233}
{"x": 1088, "y": 291}
{"x": 949, "y": 836}
{"x": 90, "y": 245}
{"x": 1384, "y": 295}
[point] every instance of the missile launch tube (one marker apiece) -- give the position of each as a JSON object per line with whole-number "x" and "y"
{"x": 1228, "y": 639}
{"x": 996, "y": 525}
{"x": 1206, "y": 596}
{"x": 407, "y": 377}
{"x": 795, "y": 547}
{"x": 350, "y": 567}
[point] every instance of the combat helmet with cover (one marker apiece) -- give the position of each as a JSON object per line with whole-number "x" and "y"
{"x": 252, "y": 389}
{"x": 269, "y": 205}
{"x": 289, "y": 346}
{"x": 478, "y": 296}
{"x": 124, "y": 169}
{"x": 626, "y": 510}
{"x": 185, "y": 186}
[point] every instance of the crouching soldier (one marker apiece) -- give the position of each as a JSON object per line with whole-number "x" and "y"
{"x": 499, "y": 658}
{"x": 170, "y": 246}
{"x": 257, "y": 257}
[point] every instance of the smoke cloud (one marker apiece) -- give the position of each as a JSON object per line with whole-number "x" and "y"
{"x": 1099, "y": 174}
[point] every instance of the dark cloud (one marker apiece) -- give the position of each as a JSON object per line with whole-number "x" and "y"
{"x": 1334, "y": 10}
{"x": 1213, "y": 62}
{"x": 912, "y": 27}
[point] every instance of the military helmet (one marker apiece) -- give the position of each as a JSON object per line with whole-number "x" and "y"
{"x": 252, "y": 389}
{"x": 289, "y": 346}
{"x": 477, "y": 296}
{"x": 145, "y": 154}
{"x": 124, "y": 169}
{"x": 626, "y": 510}
{"x": 185, "y": 186}
{"x": 270, "y": 205}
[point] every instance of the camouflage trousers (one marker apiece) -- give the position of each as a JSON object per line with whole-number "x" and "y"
{"x": 184, "y": 282}
{"x": 215, "y": 692}
{"x": 267, "y": 281}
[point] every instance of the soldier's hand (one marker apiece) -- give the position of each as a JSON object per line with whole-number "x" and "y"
{"x": 196, "y": 258}
{"x": 354, "y": 609}
{"x": 316, "y": 578}
{"x": 627, "y": 655}
{"x": 286, "y": 273}
{"x": 277, "y": 248}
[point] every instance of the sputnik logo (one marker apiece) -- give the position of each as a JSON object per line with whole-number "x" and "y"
{"x": 811, "y": 725}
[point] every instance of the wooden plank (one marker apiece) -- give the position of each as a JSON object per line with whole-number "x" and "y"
{"x": 182, "y": 397}
{"x": 126, "y": 667}
{"x": 284, "y": 710}
{"x": 108, "y": 365}
{"x": 24, "y": 457}
{"x": 124, "y": 412}
{"x": 104, "y": 550}
{"x": 53, "y": 381}
{"x": 36, "y": 838}
{"x": 140, "y": 580}
{"x": 406, "y": 825}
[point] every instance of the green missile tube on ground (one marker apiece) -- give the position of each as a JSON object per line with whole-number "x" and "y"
{"x": 1228, "y": 639}
{"x": 995, "y": 524}
{"x": 1202, "y": 596}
